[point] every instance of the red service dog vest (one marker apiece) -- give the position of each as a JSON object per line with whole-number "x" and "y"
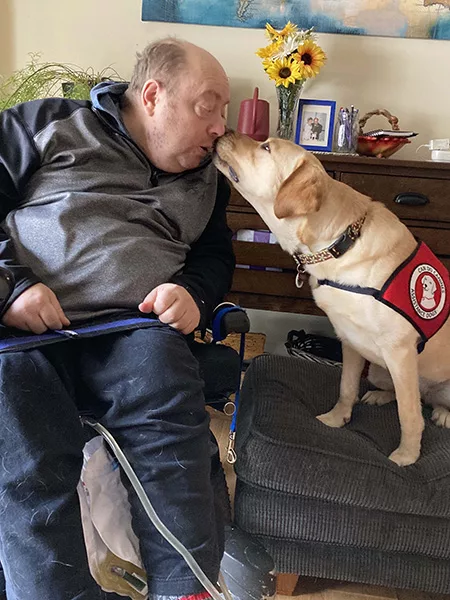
{"x": 418, "y": 289}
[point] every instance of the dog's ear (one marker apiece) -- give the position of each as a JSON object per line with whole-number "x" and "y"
{"x": 301, "y": 193}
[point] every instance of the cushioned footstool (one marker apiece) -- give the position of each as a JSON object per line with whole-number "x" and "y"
{"x": 328, "y": 502}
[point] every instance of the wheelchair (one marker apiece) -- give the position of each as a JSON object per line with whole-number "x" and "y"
{"x": 246, "y": 568}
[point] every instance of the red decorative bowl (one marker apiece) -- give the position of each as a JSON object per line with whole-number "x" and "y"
{"x": 375, "y": 145}
{"x": 380, "y": 147}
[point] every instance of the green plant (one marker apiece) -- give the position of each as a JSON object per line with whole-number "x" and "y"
{"x": 48, "y": 79}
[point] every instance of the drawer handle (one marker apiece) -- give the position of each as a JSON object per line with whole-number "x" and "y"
{"x": 411, "y": 199}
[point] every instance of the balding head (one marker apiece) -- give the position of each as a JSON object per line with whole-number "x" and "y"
{"x": 167, "y": 59}
{"x": 176, "y": 104}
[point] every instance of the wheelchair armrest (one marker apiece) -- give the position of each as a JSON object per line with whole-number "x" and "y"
{"x": 229, "y": 318}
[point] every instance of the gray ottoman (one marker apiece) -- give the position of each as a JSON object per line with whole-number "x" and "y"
{"x": 328, "y": 502}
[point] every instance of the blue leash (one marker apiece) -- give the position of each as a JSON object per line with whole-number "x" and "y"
{"x": 218, "y": 337}
{"x": 231, "y": 452}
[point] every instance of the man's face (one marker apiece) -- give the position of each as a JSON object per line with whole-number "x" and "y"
{"x": 186, "y": 120}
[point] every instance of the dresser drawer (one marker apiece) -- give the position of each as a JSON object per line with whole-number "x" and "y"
{"x": 386, "y": 188}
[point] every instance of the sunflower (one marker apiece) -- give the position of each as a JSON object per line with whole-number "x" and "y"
{"x": 275, "y": 35}
{"x": 288, "y": 29}
{"x": 271, "y": 33}
{"x": 269, "y": 51}
{"x": 284, "y": 71}
{"x": 311, "y": 58}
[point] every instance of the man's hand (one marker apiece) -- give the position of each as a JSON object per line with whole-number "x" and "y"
{"x": 174, "y": 305}
{"x": 36, "y": 309}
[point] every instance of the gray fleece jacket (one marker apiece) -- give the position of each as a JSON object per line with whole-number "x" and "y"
{"x": 84, "y": 211}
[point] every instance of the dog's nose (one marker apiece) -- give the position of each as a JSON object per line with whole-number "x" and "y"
{"x": 215, "y": 142}
{"x": 228, "y": 132}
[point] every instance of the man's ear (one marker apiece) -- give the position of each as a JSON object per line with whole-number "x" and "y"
{"x": 301, "y": 193}
{"x": 149, "y": 93}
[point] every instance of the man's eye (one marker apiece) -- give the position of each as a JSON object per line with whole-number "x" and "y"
{"x": 204, "y": 110}
{"x": 266, "y": 147}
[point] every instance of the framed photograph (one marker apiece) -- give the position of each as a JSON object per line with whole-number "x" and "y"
{"x": 315, "y": 124}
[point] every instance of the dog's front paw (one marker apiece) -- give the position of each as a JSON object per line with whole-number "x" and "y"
{"x": 378, "y": 397}
{"x": 336, "y": 417}
{"x": 441, "y": 416}
{"x": 403, "y": 458}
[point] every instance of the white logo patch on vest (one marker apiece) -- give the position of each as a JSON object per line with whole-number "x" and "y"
{"x": 427, "y": 291}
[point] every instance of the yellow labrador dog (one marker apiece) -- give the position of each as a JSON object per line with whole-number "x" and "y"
{"x": 350, "y": 246}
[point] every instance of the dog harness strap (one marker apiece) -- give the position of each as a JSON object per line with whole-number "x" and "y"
{"x": 419, "y": 290}
{"x": 356, "y": 289}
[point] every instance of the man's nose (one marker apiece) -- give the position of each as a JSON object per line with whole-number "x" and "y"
{"x": 217, "y": 128}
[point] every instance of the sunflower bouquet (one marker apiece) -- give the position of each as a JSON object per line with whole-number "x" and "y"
{"x": 290, "y": 58}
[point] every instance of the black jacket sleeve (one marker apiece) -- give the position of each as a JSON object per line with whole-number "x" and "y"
{"x": 209, "y": 267}
{"x": 18, "y": 160}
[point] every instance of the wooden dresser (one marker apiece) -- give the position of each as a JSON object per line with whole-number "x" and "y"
{"x": 418, "y": 192}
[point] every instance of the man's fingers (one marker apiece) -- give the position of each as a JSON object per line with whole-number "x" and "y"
{"x": 36, "y": 309}
{"x": 188, "y": 328}
{"x": 147, "y": 304}
{"x": 64, "y": 320}
{"x": 51, "y": 317}
{"x": 174, "y": 306}
{"x": 35, "y": 324}
{"x": 60, "y": 313}
{"x": 165, "y": 300}
{"x": 173, "y": 315}
{"x": 186, "y": 324}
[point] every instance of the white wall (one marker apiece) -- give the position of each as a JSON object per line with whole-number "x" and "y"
{"x": 409, "y": 77}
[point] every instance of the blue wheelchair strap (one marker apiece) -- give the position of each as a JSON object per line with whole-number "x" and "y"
{"x": 24, "y": 342}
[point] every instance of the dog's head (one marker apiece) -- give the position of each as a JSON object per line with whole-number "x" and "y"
{"x": 275, "y": 173}
{"x": 429, "y": 285}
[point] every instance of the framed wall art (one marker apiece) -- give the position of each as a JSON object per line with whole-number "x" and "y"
{"x": 391, "y": 18}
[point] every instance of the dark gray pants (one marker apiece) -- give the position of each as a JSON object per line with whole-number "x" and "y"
{"x": 146, "y": 386}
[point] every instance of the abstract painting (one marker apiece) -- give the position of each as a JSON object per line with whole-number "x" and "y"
{"x": 394, "y": 18}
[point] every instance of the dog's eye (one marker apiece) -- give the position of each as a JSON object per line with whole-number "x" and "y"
{"x": 266, "y": 147}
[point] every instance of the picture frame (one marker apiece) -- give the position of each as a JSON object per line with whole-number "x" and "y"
{"x": 315, "y": 124}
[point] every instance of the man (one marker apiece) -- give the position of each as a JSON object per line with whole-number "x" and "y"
{"x": 316, "y": 129}
{"x": 111, "y": 211}
{"x": 307, "y": 130}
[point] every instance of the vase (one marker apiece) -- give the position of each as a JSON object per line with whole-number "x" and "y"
{"x": 288, "y": 98}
